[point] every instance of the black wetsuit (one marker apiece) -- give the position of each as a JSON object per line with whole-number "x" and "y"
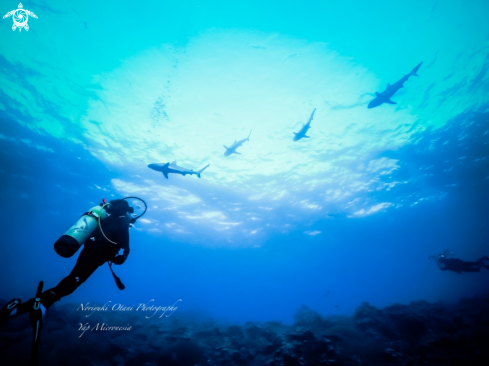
{"x": 459, "y": 266}
{"x": 94, "y": 254}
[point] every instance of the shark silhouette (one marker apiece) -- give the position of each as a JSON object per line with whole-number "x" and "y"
{"x": 386, "y": 95}
{"x": 232, "y": 149}
{"x": 174, "y": 168}
{"x": 302, "y": 132}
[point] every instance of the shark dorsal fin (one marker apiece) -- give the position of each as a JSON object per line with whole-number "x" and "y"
{"x": 388, "y": 85}
{"x": 377, "y": 94}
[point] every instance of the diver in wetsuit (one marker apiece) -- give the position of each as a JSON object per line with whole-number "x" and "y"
{"x": 458, "y": 265}
{"x": 102, "y": 246}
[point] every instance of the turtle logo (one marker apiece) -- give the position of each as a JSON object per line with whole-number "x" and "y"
{"x": 20, "y": 17}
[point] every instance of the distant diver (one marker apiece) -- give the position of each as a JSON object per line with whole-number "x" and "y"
{"x": 232, "y": 149}
{"x": 174, "y": 168}
{"x": 386, "y": 95}
{"x": 302, "y": 132}
{"x": 458, "y": 265}
{"x": 104, "y": 232}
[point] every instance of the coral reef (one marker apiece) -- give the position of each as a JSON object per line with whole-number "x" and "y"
{"x": 420, "y": 333}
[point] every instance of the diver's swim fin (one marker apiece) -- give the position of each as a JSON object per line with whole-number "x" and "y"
{"x": 9, "y": 310}
{"x": 36, "y": 314}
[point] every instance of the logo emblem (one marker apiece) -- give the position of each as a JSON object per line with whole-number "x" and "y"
{"x": 20, "y": 17}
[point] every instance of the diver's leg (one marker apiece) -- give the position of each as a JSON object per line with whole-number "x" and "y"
{"x": 472, "y": 267}
{"x": 86, "y": 264}
{"x": 481, "y": 261}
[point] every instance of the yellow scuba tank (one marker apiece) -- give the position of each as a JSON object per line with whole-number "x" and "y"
{"x": 69, "y": 243}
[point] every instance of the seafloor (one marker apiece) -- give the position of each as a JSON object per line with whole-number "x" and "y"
{"x": 420, "y": 333}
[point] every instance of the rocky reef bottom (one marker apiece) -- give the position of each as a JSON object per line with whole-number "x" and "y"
{"x": 420, "y": 333}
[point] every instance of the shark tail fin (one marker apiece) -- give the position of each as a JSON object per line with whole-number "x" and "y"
{"x": 201, "y": 170}
{"x": 415, "y": 70}
{"x": 310, "y": 118}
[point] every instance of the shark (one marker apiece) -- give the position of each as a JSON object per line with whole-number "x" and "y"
{"x": 386, "y": 95}
{"x": 174, "y": 168}
{"x": 232, "y": 149}
{"x": 302, "y": 132}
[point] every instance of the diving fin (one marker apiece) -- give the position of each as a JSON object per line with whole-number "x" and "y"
{"x": 9, "y": 310}
{"x": 201, "y": 170}
{"x": 36, "y": 314}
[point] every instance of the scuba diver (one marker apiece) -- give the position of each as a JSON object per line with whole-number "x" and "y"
{"x": 458, "y": 265}
{"x": 104, "y": 231}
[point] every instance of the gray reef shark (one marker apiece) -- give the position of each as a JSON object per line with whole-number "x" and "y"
{"x": 174, "y": 168}
{"x": 302, "y": 132}
{"x": 232, "y": 149}
{"x": 385, "y": 96}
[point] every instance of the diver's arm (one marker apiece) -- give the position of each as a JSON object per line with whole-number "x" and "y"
{"x": 126, "y": 249}
{"x": 123, "y": 240}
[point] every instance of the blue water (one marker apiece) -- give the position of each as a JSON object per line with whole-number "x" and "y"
{"x": 95, "y": 91}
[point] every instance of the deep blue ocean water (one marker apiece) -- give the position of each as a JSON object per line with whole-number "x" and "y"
{"x": 95, "y": 91}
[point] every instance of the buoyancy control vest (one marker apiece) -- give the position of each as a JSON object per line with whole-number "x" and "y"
{"x": 69, "y": 243}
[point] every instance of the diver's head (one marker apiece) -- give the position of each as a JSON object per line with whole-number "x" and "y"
{"x": 119, "y": 207}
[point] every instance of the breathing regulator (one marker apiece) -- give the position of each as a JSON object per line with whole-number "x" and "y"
{"x": 69, "y": 243}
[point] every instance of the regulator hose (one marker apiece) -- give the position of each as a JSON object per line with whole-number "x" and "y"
{"x": 134, "y": 218}
{"x": 145, "y": 206}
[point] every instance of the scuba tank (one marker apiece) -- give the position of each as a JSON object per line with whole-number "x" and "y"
{"x": 69, "y": 243}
